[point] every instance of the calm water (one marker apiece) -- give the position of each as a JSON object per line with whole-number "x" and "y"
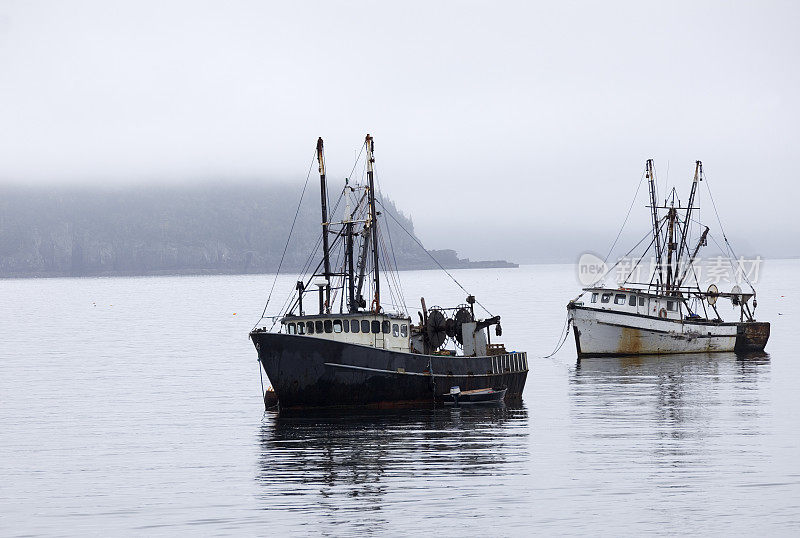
{"x": 132, "y": 405}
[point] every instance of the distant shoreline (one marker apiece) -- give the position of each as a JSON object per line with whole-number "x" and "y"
{"x": 492, "y": 264}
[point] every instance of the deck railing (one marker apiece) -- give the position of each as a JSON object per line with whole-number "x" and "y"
{"x": 510, "y": 362}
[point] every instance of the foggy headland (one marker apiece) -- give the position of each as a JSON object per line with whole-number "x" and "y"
{"x": 212, "y": 228}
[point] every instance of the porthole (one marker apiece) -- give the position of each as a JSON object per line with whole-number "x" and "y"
{"x": 328, "y": 324}
{"x": 337, "y": 326}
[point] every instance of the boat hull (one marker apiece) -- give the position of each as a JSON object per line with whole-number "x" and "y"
{"x": 608, "y": 333}
{"x": 308, "y": 372}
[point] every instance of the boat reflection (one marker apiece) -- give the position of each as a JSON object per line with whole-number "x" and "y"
{"x": 337, "y": 462}
{"x": 671, "y": 407}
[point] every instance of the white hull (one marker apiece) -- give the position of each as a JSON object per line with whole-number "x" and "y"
{"x": 605, "y": 332}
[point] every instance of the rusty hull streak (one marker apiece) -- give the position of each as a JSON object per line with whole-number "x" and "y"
{"x": 630, "y": 341}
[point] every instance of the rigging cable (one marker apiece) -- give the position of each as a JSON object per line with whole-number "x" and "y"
{"x": 639, "y": 261}
{"x": 433, "y": 258}
{"x": 626, "y": 219}
{"x": 725, "y": 237}
{"x": 596, "y": 282}
{"x": 261, "y": 376}
{"x": 561, "y": 339}
{"x": 285, "y": 248}
{"x": 393, "y": 274}
{"x": 391, "y": 246}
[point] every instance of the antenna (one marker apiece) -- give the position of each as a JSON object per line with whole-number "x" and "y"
{"x": 651, "y": 176}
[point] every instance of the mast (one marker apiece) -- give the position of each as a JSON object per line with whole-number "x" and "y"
{"x": 362, "y": 265}
{"x": 651, "y": 176}
{"x": 325, "y": 224}
{"x": 352, "y": 305}
{"x": 373, "y": 222}
{"x": 698, "y": 175}
{"x": 671, "y": 215}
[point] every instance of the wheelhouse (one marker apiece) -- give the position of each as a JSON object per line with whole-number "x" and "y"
{"x": 383, "y": 331}
{"x": 635, "y": 301}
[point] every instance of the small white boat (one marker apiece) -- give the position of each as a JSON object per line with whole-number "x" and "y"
{"x": 456, "y": 396}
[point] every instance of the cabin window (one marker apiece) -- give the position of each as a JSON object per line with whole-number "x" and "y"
{"x": 606, "y": 297}
{"x": 310, "y": 327}
{"x": 328, "y": 326}
{"x": 395, "y": 329}
{"x": 301, "y": 328}
{"x": 641, "y": 301}
{"x": 345, "y": 325}
{"x": 365, "y": 326}
{"x": 386, "y": 326}
{"x": 376, "y": 326}
{"x": 337, "y": 326}
{"x": 594, "y": 297}
{"x": 620, "y": 298}
{"x": 670, "y": 305}
{"x": 632, "y": 300}
{"x": 290, "y": 328}
{"x": 318, "y": 326}
{"x": 354, "y": 325}
{"x": 403, "y": 330}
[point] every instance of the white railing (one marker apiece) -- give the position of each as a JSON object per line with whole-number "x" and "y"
{"x": 510, "y": 362}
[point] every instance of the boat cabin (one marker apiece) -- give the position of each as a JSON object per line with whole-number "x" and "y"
{"x": 383, "y": 331}
{"x": 635, "y": 301}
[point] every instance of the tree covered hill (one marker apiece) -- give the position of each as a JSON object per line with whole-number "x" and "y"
{"x": 179, "y": 229}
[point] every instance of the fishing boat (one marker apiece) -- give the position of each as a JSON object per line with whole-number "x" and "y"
{"x": 361, "y": 353}
{"x": 670, "y": 313}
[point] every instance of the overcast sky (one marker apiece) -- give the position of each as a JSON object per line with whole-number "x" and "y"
{"x": 497, "y": 124}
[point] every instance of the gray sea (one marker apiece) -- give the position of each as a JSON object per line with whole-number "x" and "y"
{"x": 131, "y": 406}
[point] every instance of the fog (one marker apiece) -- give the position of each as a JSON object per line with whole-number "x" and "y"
{"x": 501, "y": 128}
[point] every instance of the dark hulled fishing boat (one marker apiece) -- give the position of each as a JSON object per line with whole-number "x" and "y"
{"x": 359, "y": 356}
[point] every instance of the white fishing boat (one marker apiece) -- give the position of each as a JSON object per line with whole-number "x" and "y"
{"x": 670, "y": 313}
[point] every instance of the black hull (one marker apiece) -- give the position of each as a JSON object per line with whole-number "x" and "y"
{"x": 310, "y": 372}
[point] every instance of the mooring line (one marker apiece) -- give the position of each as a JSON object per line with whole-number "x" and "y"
{"x": 561, "y": 339}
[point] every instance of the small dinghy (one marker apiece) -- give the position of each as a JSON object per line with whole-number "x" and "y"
{"x": 478, "y": 396}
